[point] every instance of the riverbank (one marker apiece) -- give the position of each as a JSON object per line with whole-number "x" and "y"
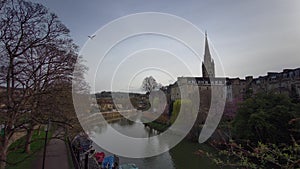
{"x": 160, "y": 127}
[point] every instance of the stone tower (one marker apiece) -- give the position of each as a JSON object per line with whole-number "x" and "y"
{"x": 208, "y": 65}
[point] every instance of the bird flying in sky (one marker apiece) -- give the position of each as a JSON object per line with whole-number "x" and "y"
{"x": 92, "y": 36}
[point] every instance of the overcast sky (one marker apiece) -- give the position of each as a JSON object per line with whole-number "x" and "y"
{"x": 250, "y": 37}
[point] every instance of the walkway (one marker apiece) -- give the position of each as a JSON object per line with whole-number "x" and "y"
{"x": 56, "y": 154}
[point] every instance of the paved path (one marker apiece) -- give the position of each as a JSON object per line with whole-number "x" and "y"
{"x": 56, "y": 155}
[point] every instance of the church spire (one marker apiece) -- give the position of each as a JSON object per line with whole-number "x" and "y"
{"x": 208, "y": 65}
{"x": 207, "y": 55}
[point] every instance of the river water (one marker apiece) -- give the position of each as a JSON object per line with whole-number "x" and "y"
{"x": 180, "y": 157}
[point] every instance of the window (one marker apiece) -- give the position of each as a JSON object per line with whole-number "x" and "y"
{"x": 272, "y": 78}
{"x": 297, "y": 73}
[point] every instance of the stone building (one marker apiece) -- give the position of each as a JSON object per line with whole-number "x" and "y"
{"x": 208, "y": 65}
{"x": 286, "y": 82}
{"x": 234, "y": 90}
{"x": 205, "y": 85}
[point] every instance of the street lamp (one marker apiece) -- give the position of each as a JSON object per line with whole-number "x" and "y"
{"x": 47, "y": 128}
{"x": 2, "y": 129}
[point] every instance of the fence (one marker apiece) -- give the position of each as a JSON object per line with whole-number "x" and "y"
{"x": 81, "y": 159}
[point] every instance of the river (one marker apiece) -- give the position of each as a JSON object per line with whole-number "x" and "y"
{"x": 180, "y": 157}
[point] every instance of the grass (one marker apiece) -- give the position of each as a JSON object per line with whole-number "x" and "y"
{"x": 18, "y": 158}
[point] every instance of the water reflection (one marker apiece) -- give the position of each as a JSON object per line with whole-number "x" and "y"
{"x": 180, "y": 157}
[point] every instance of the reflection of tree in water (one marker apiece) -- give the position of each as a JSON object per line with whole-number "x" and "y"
{"x": 183, "y": 157}
{"x": 130, "y": 128}
{"x": 114, "y": 121}
{"x": 125, "y": 122}
{"x": 151, "y": 132}
{"x": 100, "y": 128}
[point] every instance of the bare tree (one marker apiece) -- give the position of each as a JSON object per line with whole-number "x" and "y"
{"x": 149, "y": 84}
{"x": 49, "y": 70}
{"x": 37, "y": 55}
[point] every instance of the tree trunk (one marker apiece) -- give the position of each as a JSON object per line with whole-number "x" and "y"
{"x": 39, "y": 130}
{"x": 28, "y": 140}
{"x": 3, "y": 153}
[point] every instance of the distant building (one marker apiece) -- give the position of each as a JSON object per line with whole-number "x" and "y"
{"x": 108, "y": 101}
{"x": 208, "y": 65}
{"x": 286, "y": 82}
{"x": 204, "y": 83}
{"x": 234, "y": 90}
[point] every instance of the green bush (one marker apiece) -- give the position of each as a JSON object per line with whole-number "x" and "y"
{"x": 186, "y": 108}
{"x": 265, "y": 118}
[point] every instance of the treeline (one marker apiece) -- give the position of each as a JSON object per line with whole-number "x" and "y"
{"x": 37, "y": 59}
{"x": 265, "y": 133}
